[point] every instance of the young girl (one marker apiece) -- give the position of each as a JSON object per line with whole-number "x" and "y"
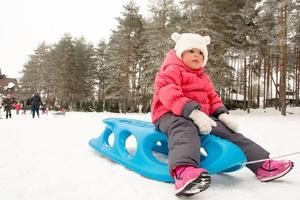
{"x": 185, "y": 105}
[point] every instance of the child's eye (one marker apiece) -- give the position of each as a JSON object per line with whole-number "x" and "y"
{"x": 191, "y": 51}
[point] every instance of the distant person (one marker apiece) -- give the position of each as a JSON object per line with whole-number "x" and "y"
{"x": 36, "y": 102}
{"x": 8, "y": 104}
{"x": 24, "y": 107}
{"x": 185, "y": 105}
{"x": 61, "y": 112}
{"x": 0, "y": 109}
{"x": 44, "y": 109}
{"x": 62, "y": 109}
{"x": 18, "y": 107}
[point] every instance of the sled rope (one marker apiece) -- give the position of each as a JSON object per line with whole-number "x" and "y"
{"x": 275, "y": 157}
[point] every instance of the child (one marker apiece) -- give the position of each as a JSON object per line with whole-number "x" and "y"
{"x": 185, "y": 105}
{"x": 24, "y": 107}
{"x": 18, "y": 107}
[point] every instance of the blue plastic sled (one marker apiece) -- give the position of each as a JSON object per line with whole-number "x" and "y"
{"x": 221, "y": 155}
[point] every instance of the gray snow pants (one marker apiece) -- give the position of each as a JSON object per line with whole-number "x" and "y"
{"x": 184, "y": 143}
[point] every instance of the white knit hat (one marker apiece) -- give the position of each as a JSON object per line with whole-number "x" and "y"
{"x": 187, "y": 41}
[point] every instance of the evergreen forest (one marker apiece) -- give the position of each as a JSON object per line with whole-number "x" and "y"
{"x": 254, "y": 56}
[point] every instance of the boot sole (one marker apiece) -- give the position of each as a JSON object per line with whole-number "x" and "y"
{"x": 197, "y": 185}
{"x": 280, "y": 175}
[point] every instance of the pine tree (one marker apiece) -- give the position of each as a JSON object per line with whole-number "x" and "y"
{"x": 35, "y": 73}
{"x": 82, "y": 87}
{"x": 102, "y": 73}
{"x": 124, "y": 45}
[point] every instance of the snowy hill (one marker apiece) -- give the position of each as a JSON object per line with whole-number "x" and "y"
{"x": 50, "y": 159}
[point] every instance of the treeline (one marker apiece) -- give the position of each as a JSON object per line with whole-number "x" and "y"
{"x": 254, "y": 52}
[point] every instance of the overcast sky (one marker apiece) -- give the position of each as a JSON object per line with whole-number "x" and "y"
{"x": 25, "y": 24}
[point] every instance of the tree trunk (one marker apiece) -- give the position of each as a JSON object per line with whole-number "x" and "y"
{"x": 277, "y": 105}
{"x": 268, "y": 79}
{"x": 282, "y": 55}
{"x": 249, "y": 85}
{"x": 245, "y": 84}
{"x": 258, "y": 83}
{"x": 264, "y": 95}
{"x": 297, "y": 55}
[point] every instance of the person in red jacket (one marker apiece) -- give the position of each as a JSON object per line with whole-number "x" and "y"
{"x": 185, "y": 105}
{"x": 18, "y": 107}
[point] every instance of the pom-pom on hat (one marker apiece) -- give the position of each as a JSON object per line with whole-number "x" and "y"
{"x": 187, "y": 41}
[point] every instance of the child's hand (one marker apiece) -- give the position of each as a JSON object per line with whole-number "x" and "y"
{"x": 229, "y": 121}
{"x": 204, "y": 122}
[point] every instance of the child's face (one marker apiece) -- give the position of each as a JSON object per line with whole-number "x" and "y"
{"x": 193, "y": 58}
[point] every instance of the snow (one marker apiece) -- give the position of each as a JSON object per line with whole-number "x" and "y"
{"x": 50, "y": 159}
{"x": 10, "y": 85}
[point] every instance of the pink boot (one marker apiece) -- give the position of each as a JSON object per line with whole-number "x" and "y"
{"x": 272, "y": 169}
{"x": 190, "y": 180}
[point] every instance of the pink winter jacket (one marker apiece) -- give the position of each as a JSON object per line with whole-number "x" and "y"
{"x": 180, "y": 89}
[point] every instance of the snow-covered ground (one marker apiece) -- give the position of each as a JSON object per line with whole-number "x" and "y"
{"x": 50, "y": 159}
